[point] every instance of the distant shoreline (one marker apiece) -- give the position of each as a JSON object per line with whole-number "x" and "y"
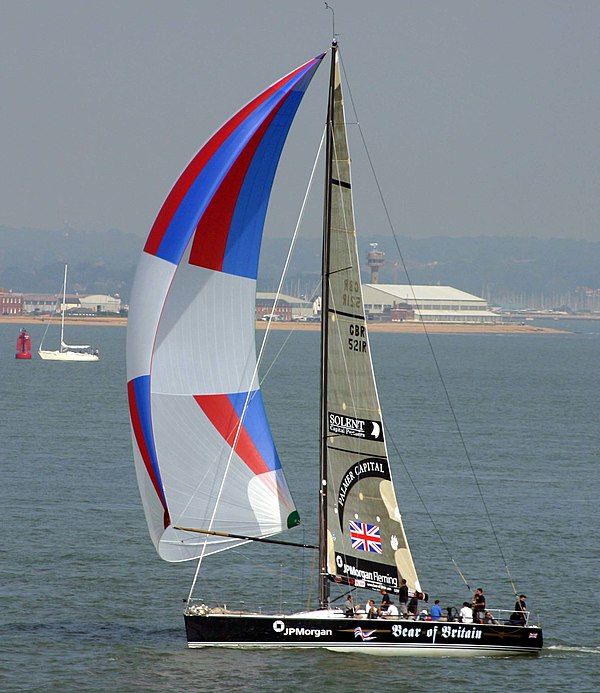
{"x": 384, "y": 327}
{"x": 419, "y": 328}
{"x": 31, "y": 320}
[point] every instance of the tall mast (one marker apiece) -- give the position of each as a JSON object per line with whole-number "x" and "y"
{"x": 62, "y": 310}
{"x": 323, "y": 572}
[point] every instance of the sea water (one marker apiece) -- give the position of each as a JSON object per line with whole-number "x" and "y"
{"x": 87, "y": 605}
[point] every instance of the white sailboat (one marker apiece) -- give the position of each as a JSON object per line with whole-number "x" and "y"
{"x": 208, "y": 472}
{"x": 67, "y": 352}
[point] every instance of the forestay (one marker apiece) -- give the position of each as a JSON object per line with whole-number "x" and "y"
{"x": 203, "y": 451}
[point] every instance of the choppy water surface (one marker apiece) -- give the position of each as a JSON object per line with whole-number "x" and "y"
{"x": 87, "y": 605}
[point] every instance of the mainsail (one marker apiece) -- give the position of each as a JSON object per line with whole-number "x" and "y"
{"x": 203, "y": 451}
{"x": 366, "y": 543}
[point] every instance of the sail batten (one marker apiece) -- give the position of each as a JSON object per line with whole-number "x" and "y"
{"x": 203, "y": 449}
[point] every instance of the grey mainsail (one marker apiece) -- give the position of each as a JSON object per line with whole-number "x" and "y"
{"x": 366, "y": 544}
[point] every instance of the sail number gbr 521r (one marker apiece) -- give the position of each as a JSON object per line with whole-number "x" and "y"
{"x": 357, "y": 341}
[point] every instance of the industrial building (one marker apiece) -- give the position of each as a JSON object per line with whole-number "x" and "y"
{"x": 398, "y": 302}
{"x": 100, "y": 303}
{"x": 414, "y": 303}
{"x": 74, "y": 304}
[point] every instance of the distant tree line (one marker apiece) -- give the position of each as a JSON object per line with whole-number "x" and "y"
{"x": 522, "y": 271}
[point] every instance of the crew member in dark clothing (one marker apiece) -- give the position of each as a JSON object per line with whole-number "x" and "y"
{"x": 413, "y": 606}
{"x": 403, "y": 597}
{"x": 385, "y": 601}
{"x": 519, "y": 615}
{"x": 478, "y": 606}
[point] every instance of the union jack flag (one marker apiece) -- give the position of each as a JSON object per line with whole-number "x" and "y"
{"x": 365, "y": 537}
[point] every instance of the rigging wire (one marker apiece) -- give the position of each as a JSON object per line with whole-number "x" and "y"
{"x": 54, "y": 312}
{"x": 423, "y": 503}
{"x": 431, "y": 349}
{"x": 268, "y": 570}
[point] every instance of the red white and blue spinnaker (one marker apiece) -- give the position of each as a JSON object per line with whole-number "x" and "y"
{"x": 203, "y": 450}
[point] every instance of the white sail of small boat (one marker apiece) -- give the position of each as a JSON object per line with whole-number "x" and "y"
{"x": 208, "y": 472}
{"x": 67, "y": 352}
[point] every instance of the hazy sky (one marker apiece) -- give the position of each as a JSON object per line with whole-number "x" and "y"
{"x": 481, "y": 117}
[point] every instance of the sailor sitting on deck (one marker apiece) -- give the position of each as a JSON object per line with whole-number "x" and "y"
{"x": 349, "y": 608}
{"x": 371, "y": 609}
{"x": 466, "y": 613}
{"x": 391, "y": 611}
{"x": 488, "y": 618}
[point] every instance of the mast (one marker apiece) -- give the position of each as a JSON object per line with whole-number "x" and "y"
{"x": 62, "y": 310}
{"x": 323, "y": 573}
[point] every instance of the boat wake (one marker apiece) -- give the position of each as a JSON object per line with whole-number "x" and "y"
{"x": 581, "y": 649}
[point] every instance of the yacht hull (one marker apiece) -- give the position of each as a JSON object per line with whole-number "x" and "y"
{"x": 377, "y": 637}
{"x": 67, "y": 356}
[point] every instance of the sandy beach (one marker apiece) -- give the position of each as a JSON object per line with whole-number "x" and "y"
{"x": 431, "y": 328}
{"x": 32, "y": 320}
{"x": 387, "y": 327}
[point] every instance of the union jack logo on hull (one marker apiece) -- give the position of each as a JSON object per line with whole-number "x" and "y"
{"x": 365, "y": 537}
{"x": 364, "y": 634}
